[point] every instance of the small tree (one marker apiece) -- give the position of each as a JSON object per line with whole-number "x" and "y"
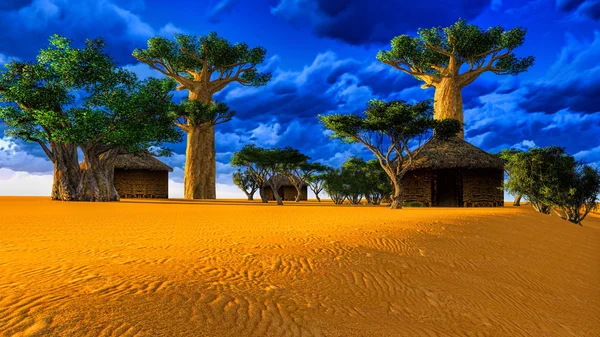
{"x": 354, "y": 169}
{"x": 536, "y": 174}
{"x": 448, "y": 59}
{"x": 577, "y": 193}
{"x": 314, "y": 176}
{"x": 246, "y": 183}
{"x": 336, "y": 186}
{"x": 203, "y": 66}
{"x": 254, "y": 160}
{"x": 506, "y": 156}
{"x": 388, "y": 129}
{"x": 378, "y": 182}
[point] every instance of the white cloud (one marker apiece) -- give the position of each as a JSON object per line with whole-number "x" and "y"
{"x": 169, "y": 30}
{"x": 14, "y": 158}
{"x": 19, "y": 183}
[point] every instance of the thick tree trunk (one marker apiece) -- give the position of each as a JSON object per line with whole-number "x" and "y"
{"x": 66, "y": 172}
{"x": 263, "y": 197}
{"x": 517, "y": 200}
{"x": 97, "y": 178}
{"x": 276, "y": 195}
{"x": 398, "y": 196}
{"x": 250, "y": 196}
{"x": 200, "y": 165}
{"x": 448, "y": 102}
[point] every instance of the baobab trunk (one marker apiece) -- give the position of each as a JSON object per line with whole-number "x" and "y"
{"x": 97, "y": 179}
{"x": 66, "y": 172}
{"x": 448, "y": 102}
{"x": 200, "y": 165}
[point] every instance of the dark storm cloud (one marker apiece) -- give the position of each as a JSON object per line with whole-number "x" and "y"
{"x": 590, "y": 8}
{"x": 364, "y": 21}
{"x": 573, "y": 82}
{"x": 26, "y": 26}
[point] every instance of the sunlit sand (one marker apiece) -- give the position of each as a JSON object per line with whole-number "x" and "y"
{"x": 234, "y": 268}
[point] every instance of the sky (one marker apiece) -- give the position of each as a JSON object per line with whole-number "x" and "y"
{"x": 322, "y": 57}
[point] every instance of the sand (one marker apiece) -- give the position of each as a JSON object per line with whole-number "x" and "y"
{"x": 233, "y": 268}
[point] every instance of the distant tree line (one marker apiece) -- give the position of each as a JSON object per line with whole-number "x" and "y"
{"x": 552, "y": 181}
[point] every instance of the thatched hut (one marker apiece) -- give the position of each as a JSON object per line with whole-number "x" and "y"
{"x": 141, "y": 176}
{"x": 454, "y": 173}
{"x": 287, "y": 191}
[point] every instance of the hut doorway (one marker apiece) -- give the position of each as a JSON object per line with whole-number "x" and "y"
{"x": 448, "y": 188}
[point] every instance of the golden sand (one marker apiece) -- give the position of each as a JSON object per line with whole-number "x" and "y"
{"x": 233, "y": 268}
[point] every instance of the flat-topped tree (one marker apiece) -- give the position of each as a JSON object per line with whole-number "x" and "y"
{"x": 451, "y": 58}
{"x": 203, "y": 66}
{"x": 389, "y": 130}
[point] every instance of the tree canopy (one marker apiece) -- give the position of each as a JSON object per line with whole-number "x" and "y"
{"x": 438, "y": 53}
{"x": 553, "y": 180}
{"x": 206, "y": 63}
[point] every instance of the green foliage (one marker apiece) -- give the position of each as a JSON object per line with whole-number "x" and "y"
{"x": 110, "y": 108}
{"x": 199, "y": 113}
{"x": 439, "y": 52}
{"x": 263, "y": 164}
{"x": 535, "y": 174}
{"x": 377, "y": 182}
{"x": 354, "y": 171}
{"x": 577, "y": 193}
{"x": 336, "y": 185}
{"x": 553, "y": 180}
{"x": 210, "y": 53}
{"x": 245, "y": 182}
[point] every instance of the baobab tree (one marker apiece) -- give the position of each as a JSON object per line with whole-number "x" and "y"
{"x": 115, "y": 113}
{"x": 448, "y": 59}
{"x": 203, "y": 66}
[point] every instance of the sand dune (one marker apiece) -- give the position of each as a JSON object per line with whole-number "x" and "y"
{"x": 230, "y": 268}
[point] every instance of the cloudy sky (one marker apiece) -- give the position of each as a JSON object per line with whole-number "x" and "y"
{"x": 322, "y": 56}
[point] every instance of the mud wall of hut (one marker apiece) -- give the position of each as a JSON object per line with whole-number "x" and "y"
{"x": 287, "y": 193}
{"x": 417, "y": 187}
{"x": 483, "y": 188}
{"x": 142, "y": 183}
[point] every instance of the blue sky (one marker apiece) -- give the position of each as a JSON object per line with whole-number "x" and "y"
{"x": 322, "y": 56}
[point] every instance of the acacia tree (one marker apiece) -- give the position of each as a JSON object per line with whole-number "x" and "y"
{"x": 203, "y": 66}
{"x": 305, "y": 173}
{"x": 113, "y": 113}
{"x": 245, "y": 181}
{"x": 315, "y": 178}
{"x": 388, "y": 129}
{"x": 268, "y": 165}
{"x": 448, "y": 59}
{"x": 506, "y": 156}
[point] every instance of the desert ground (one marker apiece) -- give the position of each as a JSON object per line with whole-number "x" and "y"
{"x": 236, "y": 268}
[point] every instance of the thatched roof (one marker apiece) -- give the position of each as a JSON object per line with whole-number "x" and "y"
{"x": 143, "y": 161}
{"x": 454, "y": 153}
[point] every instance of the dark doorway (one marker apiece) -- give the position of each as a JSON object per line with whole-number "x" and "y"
{"x": 448, "y": 188}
